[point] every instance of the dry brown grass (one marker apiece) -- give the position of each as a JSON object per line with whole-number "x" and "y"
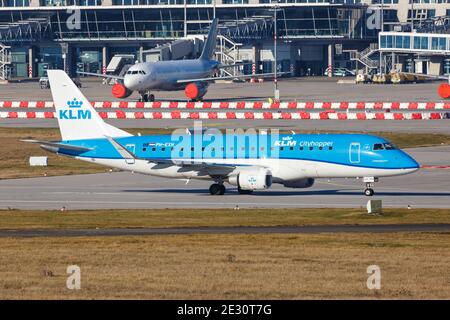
{"x": 14, "y": 154}
{"x": 164, "y": 218}
{"x": 329, "y": 266}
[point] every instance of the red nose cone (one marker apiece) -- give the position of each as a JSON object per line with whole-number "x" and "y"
{"x": 444, "y": 91}
{"x": 191, "y": 91}
{"x": 119, "y": 91}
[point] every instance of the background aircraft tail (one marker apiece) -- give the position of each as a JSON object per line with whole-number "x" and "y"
{"x": 210, "y": 44}
{"x": 77, "y": 119}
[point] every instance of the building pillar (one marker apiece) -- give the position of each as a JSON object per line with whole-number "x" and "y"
{"x": 31, "y": 63}
{"x": 256, "y": 57}
{"x": 104, "y": 59}
{"x": 141, "y": 54}
{"x": 330, "y": 60}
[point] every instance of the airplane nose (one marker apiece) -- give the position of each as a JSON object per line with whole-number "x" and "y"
{"x": 129, "y": 83}
{"x": 409, "y": 163}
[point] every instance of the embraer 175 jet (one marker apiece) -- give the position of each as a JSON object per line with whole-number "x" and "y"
{"x": 250, "y": 163}
{"x": 192, "y": 76}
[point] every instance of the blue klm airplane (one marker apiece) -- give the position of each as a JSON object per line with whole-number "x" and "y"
{"x": 248, "y": 161}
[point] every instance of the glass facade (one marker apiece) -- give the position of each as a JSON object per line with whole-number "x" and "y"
{"x": 167, "y": 23}
{"x": 415, "y": 42}
{"x": 71, "y": 2}
{"x": 447, "y": 66}
{"x": 15, "y": 3}
{"x": 429, "y": 1}
{"x": 385, "y": 1}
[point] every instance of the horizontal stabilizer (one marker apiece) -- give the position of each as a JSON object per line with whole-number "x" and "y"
{"x": 58, "y": 145}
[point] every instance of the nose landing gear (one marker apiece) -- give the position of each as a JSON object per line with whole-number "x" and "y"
{"x": 146, "y": 97}
{"x": 369, "y": 182}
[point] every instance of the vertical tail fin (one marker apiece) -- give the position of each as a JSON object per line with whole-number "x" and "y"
{"x": 77, "y": 119}
{"x": 210, "y": 44}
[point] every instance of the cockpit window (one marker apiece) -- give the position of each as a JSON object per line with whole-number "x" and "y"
{"x": 389, "y": 146}
{"x": 378, "y": 146}
{"x": 136, "y": 72}
{"x": 384, "y": 146}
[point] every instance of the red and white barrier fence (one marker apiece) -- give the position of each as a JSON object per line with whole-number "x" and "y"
{"x": 301, "y": 115}
{"x": 255, "y": 105}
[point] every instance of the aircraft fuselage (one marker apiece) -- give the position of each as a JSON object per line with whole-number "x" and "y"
{"x": 163, "y": 75}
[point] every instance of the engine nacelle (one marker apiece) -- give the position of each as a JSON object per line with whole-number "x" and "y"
{"x": 195, "y": 90}
{"x": 259, "y": 179}
{"x": 444, "y": 90}
{"x": 301, "y": 183}
{"x": 120, "y": 91}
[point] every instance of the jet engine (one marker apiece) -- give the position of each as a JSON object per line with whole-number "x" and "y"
{"x": 258, "y": 179}
{"x": 195, "y": 90}
{"x": 444, "y": 91}
{"x": 301, "y": 183}
{"x": 120, "y": 91}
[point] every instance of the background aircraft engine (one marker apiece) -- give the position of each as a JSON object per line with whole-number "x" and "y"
{"x": 120, "y": 91}
{"x": 301, "y": 183}
{"x": 252, "y": 179}
{"x": 444, "y": 91}
{"x": 195, "y": 90}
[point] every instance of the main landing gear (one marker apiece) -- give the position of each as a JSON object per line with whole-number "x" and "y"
{"x": 217, "y": 189}
{"x": 146, "y": 97}
{"x": 369, "y": 182}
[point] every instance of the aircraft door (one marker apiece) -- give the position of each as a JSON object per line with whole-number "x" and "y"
{"x": 355, "y": 152}
{"x": 132, "y": 149}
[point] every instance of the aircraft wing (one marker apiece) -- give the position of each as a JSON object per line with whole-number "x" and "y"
{"x": 109, "y": 76}
{"x": 204, "y": 168}
{"x": 58, "y": 145}
{"x": 264, "y": 75}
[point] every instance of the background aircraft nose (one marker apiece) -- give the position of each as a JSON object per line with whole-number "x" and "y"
{"x": 128, "y": 83}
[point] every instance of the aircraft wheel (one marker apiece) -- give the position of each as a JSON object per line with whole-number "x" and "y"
{"x": 369, "y": 192}
{"x": 217, "y": 189}
{"x": 145, "y": 97}
{"x": 151, "y": 97}
{"x": 242, "y": 191}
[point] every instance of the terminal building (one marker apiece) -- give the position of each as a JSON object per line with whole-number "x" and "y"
{"x": 313, "y": 35}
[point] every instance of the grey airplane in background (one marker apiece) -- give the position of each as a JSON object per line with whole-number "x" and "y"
{"x": 192, "y": 75}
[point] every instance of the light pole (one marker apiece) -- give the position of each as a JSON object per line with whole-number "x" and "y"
{"x": 382, "y": 29}
{"x": 185, "y": 19}
{"x": 276, "y": 92}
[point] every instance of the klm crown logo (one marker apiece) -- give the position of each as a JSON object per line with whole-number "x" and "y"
{"x": 75, "y": 111}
